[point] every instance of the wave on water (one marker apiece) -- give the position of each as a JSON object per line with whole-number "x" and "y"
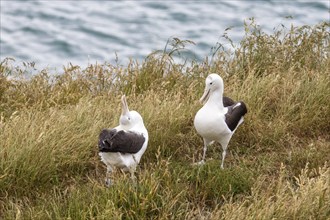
{"x": 54, "y": 33}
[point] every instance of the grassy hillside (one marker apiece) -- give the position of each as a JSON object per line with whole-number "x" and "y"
{"x": 278, "y": 161}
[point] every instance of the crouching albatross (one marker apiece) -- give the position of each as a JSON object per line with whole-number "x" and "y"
{"x": 124, "y": 145}
{"x": 219, "y": 118}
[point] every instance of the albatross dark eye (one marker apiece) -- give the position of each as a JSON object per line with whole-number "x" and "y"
{"x": 211, "y": 83}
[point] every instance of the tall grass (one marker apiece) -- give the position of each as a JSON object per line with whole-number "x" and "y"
{"x": 278, "y": 162}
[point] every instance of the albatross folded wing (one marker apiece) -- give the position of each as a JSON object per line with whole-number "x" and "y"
{"x": 234, "y": 115}
{"x": 120, "y": 141}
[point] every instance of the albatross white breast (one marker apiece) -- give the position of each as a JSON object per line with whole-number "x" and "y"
{"x": 124, "y": 145}
{"x": 219, "y": 118}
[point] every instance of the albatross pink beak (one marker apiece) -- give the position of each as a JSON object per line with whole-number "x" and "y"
{"x": 205, "y": 96}
{"x": 125, "y": 109}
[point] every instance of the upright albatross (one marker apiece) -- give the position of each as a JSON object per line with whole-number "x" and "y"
{"x": 219, "y": 118}
{"x": 124, "y": 145}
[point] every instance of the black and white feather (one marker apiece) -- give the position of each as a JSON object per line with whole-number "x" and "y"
{"x": 126, "y": 142}
{"x": 220, "y": 116}
{"x": 234, "y": 115}
{"x": 124, "y": 145}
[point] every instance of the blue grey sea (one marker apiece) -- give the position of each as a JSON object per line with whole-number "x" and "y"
{"x": 53, "y": 33}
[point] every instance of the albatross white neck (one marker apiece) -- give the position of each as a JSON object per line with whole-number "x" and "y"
{"x": 215, "y": 100}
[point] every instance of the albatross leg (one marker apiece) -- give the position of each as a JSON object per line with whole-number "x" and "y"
{"x": 206, "y": 143}
{"x": 132, "y": 169}
{"x": 224, "y": 143}
{"x": 223, "y": 158}
{"x": 107, "y": 179}
{"x": 133, "y": 177}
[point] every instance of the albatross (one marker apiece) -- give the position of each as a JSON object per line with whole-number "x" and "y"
{"x": 124, "y": 145}
{"x": 219, "y": 117}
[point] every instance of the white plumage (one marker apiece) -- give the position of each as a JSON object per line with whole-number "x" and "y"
{"x": 124, "y": 145}
{"x": 214, "y": 121}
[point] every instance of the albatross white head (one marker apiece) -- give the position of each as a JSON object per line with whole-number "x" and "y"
{"x": 129, "y": 119}
{"x": 213, "y": 85}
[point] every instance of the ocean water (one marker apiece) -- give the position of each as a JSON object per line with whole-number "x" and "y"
{"x": 53, "y": 33}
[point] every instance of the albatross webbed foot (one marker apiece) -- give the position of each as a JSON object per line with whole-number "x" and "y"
{"x": 200, "y": 163}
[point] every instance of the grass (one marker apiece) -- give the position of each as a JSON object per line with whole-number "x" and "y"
{"x": 278, "y": 161}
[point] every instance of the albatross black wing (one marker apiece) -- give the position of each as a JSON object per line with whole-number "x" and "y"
{"x": 227, "y": 101}
{"x": 120, "y": 141}
{"x": 105, "y": 136}
{"x": 234, "y": 114}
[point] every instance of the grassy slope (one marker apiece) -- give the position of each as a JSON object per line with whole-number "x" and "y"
{"x": 277, "y": 165}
